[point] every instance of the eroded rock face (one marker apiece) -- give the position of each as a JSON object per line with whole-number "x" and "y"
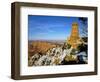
{"x": 39, "y": 47}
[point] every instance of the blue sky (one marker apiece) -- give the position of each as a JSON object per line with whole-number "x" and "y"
{"x": 50, "y": 27}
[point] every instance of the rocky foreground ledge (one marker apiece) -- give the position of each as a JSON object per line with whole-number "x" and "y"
{"x": 45, "y": 53}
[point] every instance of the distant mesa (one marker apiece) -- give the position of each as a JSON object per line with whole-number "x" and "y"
{"x": 40, "y": 47}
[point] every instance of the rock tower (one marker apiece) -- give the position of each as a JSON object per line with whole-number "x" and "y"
{"x": 74, "y": 40}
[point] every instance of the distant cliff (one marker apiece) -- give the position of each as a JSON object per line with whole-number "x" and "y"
{"x": 39, "y": 47}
